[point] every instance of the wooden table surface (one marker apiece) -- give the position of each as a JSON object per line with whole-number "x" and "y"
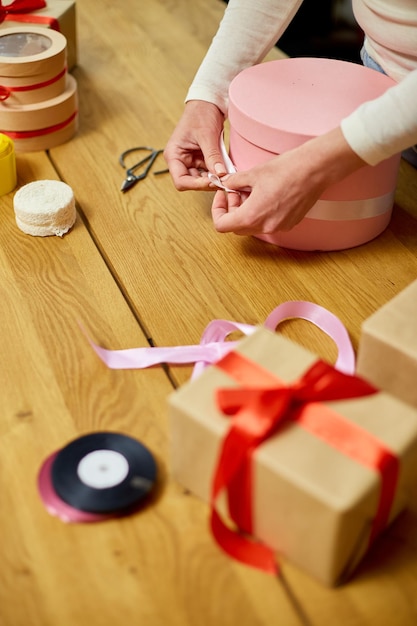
{"x": 148, "y": 264}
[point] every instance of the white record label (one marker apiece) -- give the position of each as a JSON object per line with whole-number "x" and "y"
{"x": 102, "y": 469}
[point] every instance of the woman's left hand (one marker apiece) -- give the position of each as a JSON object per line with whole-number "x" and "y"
{"x": 276, "y": 195}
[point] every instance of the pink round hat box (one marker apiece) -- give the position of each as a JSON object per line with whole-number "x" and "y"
{"x": 278, "y": 105}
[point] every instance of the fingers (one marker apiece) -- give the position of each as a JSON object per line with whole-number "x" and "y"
{"x": 213, "y": 158}
{"x": 187, "y": 178}
{"x": 223, "y": 203}
{"x": 240, "y": 181}
{"x": 228, "y": 208}
{"x": 209, "y": 140}
{"x": 195, "y": 146}
{"x": 229, "y": 215}
{"x": 188, "y": 169}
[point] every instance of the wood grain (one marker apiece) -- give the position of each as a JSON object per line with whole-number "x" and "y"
{"x": 176, "y": 271}
{"x": 148, "y": 264}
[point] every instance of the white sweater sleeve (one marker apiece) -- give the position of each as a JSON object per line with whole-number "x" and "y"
{"x": 248, "y": 31}
{"x": 385, "y": 126}
{"x": 250, "y": 28}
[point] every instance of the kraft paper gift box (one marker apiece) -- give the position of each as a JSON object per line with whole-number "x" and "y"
{"x": 63, "y": 11}
{"x": 312, "y": 504}
{"x": 387, "y": 354}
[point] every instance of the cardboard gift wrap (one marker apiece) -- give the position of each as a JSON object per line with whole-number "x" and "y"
{"x": 57, "y": 14}
{"x": 387, "y": 354}
{"x": 322, "y": 485}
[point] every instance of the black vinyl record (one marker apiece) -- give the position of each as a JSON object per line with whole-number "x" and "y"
{"x": 103, "y": 472}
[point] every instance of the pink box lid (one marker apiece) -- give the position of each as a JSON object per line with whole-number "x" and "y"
{"x": 278, "y": 105}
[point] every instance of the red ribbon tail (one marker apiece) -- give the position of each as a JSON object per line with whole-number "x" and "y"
{"x": 4, "y": 93}
{"x": 389, "y": 469}
{"x": 20, "y": 6}
{"x": 23, "y": 6}
{"x": 32, "y": 19}
{"x": 251, "y": 553}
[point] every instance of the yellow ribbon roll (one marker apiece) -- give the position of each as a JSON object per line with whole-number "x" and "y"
{"x": 8, "y": 177}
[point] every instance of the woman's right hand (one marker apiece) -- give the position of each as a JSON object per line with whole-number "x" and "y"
{"x": 193, "y": 149}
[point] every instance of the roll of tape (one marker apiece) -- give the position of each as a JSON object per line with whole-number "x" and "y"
{"x": 15, "y": 118}
{"x": 45, "y": 89}
{"x": 48, "y": 138}
{"x": 8, "y": 177}
{"x": 31, "y": 51}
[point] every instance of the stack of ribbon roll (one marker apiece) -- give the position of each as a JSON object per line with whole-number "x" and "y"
{"x": 38, "y": 97}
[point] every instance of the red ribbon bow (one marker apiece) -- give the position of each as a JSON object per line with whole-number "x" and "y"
{"x": 20, "y": 6}
{"x": 257, "y": 412}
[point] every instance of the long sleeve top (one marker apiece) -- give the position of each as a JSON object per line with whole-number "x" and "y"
{"x": 375, "y": 130}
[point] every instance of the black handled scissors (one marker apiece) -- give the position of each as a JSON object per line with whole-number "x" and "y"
{"x": 146, "y": 164}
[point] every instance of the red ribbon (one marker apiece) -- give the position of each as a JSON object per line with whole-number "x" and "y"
{"x": 20, "y": 6}
{"x": 257, "y": 411}
{"x": 17, "y": 12}
{"x": 5, "y": 92}
{"x": 29, "y": 134}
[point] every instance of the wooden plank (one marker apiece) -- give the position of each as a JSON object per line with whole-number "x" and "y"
{"x": 379, "y": 593}
{"x": 178, "y": 274}
{"x": 159, "y": 566}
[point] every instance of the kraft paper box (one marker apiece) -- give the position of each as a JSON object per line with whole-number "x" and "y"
{"x": 312, "y": 504}
{"x": 387, "y": 354}
{"x": 62, "y": 10}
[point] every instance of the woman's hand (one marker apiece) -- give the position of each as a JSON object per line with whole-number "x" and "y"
{"x": 276, "y": 195}
{"x": 193, "y": 149}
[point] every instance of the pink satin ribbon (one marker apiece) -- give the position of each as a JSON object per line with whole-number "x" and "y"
{"x": 214, "y": 345}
